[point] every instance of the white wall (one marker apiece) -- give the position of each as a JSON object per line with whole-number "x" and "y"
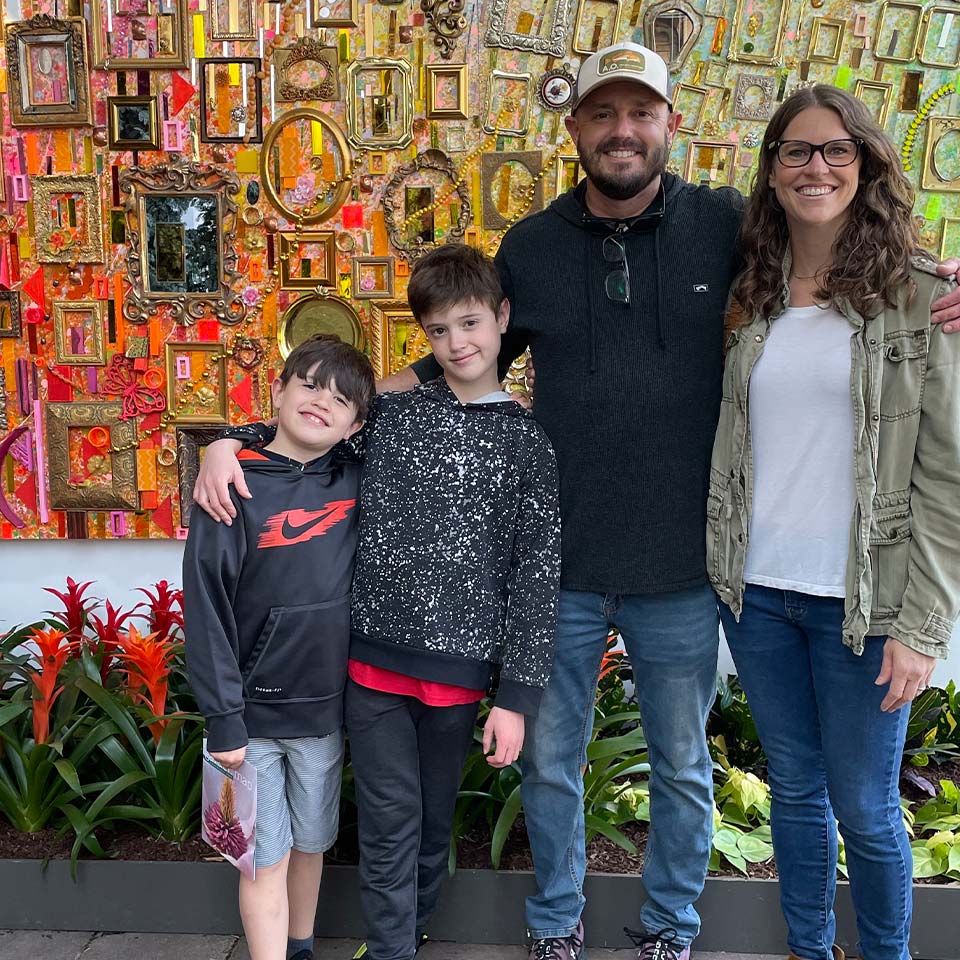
{"x": 120, "y": 566}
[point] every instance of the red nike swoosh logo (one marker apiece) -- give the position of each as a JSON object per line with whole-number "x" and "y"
{"x": 297, "y": 526}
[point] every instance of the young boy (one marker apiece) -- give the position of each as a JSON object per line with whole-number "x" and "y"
{"x": 457, "y": 577}
{"x": 267, "y": 605}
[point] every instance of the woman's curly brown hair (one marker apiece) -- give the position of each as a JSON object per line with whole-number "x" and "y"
{"x": 871, "y": 254}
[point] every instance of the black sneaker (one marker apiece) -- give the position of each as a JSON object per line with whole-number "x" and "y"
{"x": 422, "y": 938}
{"x": 559, "y": 948}
{"x": 658, "y": 946}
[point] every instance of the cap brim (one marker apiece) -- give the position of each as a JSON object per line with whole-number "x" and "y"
{"x": 619, "y": 78}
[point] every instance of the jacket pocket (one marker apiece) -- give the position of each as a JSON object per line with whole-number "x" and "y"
{"x": 890, "y": 539}
{"x": 904, "y": 369}
{"x": 301, "y": 653}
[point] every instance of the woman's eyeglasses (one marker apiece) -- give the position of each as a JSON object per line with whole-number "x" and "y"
{"x": 798, "y": 153}
{"x": 617, "y": 283}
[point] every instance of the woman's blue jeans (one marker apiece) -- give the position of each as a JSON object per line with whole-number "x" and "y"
{"x": 832, "y": 755}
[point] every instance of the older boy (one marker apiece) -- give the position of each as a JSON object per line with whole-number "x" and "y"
{"x": 267, "y": 604}
{"x": 457, "y": 576}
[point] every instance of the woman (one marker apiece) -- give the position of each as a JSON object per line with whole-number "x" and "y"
{"x": 834, "y": 519}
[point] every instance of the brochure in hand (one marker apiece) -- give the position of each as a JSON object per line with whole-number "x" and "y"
{"x": 229, "y": 807}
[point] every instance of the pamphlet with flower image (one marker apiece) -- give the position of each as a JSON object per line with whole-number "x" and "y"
{"x": 229, "y": 806}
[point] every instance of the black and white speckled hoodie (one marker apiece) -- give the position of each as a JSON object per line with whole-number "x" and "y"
{"x": 458, "y": 562}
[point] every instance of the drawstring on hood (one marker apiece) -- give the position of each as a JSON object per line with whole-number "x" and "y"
{"x": 572, "y": 207}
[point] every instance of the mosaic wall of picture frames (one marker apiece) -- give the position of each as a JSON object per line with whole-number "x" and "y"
{"x": 191, "y": 187}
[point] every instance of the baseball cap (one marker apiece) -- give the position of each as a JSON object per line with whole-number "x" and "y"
{"x": 624, "y": 61}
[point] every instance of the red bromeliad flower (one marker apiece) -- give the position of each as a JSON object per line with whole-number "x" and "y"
{"x": 76, "y": 608}
{"x": 166, "y": 608}
{"x": 612, "y": 659}
{"x": 108, "y": 636}
{"x": 147, "y": 659}
{"x": 53, "y": 652}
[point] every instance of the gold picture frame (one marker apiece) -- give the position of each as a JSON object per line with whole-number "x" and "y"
{"x": 866, "y": 87}
{"x": 190, "y": 442}
{"x": 496, "y": 104}
{"x": 927, "y": 26}
{"x": 121, "y": 494}
{"x": 727, "y": 167}
{"x": 56, "y": 215}
{"x": 305, "y": 51}
{"x": 490, "y": 166}
{"x": 826, "y": 27}
{"x": 234, "y": 10}
{"x": 48, "y": 76}
{"x": 396, "y": 339}
{"x": 375, "y": 267}
{"x": 166, "y": 49}
{"x": 316, "y": 10}
{"x": 196, "y": 278}
{"x": 9, "y": 317}
{"x": 752, "y": 28}
{"x": 949, "y": 236}
{"x": 129, "y": 116}
{"x": 389, "y": 125}
{"x": 932, "y": 178}
{"x": 220, "y": 103}
{"x": 690, "y": 123}
{"x": 64, "y": 350}
{"x": 290, "y": 244}
{"x": 545, "y": 33}
{"x": 436, "y": 74}
{"x": 909, "y": 48}
{"x": 569, "y": 173}
{"x": 578, "y": 26}
{"x": 327, "y": 127}
{"x": 197, "y": 397}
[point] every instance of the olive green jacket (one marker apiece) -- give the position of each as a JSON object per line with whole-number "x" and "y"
{"x": 903, "y": 565}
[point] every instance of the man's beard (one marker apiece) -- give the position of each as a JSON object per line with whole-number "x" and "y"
{"x": 629, "y": 183}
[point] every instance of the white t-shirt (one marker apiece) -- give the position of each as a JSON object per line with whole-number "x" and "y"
{"x": 802, "y": 434}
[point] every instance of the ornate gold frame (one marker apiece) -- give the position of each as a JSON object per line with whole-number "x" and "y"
{"x": 578, "y": 22}
{"x": 12, "y": 299}
{"x": 490, "y": 104}
{"x": 490, "y": 163}
{"x": 307, "y": 50}
{"x": 664, "y": 6}
{"x": 821, "y": 25}
{"x": 766, "y": 85}
{"x": 561, "y": 161}
{"x": 213, "y": 20}
{"x": 925, "y": 32}
{"x": 61, "y": 308}
{"x": 724, "y": 145}
{"x": 878, "y": 33}
{"x": 122, "y": 493}
{"x": 189, "y": 442}
{"x": 690, "y": 125}
{"x": 198, "y": 346}
{"x": 113, "y": 123}
{"x": 72, "y": 31}
{"x": 385, "y": 315}
{"x": 44, "y": 189}
{"x": 885, "y": 88}
{"x": 360, "y": 294}
{"x": 551, "y": 41}
{"x": 393, "y": 205}
{"x": 937, "y": 129}
{"x": 290, "y": 241}
{"x": 740, "y": 20}
{"x": 180, "y": 177}
{"x": 434, "y": 71}
{"x": 266, "y": 174}
{"x": 176, "y": 59}
{"x": 355, "y": 127}
{"x": 339, "y": 22}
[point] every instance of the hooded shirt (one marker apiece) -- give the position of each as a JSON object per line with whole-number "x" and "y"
{"x": 267, "y": 601}
{"x": 628, "y": 394}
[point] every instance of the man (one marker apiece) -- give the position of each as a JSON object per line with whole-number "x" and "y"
{"x": 619, "y": 290}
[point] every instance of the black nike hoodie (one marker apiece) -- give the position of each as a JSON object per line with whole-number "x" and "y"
{"x": 267, "y": 601}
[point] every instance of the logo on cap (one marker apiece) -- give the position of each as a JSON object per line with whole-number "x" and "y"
{"x": 621, "y": 60}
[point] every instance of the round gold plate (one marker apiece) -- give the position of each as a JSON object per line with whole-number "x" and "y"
{"x": 317, "y": 314}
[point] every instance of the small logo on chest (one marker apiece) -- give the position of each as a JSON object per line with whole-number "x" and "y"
{"x": 701, "y": 288}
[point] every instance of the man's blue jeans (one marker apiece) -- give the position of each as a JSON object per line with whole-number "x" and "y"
{"x": 672, "y": 641}
{"x": 832, "y": 753}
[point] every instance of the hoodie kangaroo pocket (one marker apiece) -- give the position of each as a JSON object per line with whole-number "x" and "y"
{"x": 301, "y": 653}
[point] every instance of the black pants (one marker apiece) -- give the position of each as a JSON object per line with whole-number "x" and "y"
{"x": 407, "y": 760}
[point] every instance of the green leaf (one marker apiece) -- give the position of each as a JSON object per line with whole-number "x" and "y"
{"x": 753, "y": 849}
{"x": 121, "y": 717}
{"x": 925, "y": 863}
{"x": 505, "y": 821}
{"x": 69, "y": 773}
{"x": 596, "y": 825}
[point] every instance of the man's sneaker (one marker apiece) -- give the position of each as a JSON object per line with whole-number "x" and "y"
{"x": 422, "y": 938}
{"x": 658, "y": 946}
{"x": 559, "y": 948}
